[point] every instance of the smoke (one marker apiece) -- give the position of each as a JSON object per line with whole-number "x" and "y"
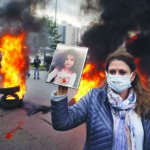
{"x": 139, "y": 46}
{"x": 102, "y": 40}
{"x": 16, "y": 15}
{"x": 128, "y": 15}
{"x": 116, "y": 19}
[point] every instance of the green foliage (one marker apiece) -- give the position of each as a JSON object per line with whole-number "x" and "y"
{"x": 53, "y": 33}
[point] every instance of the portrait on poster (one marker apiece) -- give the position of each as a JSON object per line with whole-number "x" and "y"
{"x": 67, "y": 65}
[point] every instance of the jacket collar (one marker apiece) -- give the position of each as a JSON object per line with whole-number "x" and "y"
{"x": 104, "y": 93}
{"x": 105, "y": 102}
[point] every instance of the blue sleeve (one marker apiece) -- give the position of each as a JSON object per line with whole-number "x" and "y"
{"x": 56, "y": 97}
{"x": 65, "y": 118}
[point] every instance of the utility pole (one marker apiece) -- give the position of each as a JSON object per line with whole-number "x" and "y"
{"x": 55, "y": 11}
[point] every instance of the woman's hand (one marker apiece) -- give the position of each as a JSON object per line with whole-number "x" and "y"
{"x": 62, "y": 90}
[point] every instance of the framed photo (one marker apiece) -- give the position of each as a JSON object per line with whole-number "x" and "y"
{"x": 67, "y": 65}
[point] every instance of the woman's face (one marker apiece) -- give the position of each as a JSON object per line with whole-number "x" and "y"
{"x": 118, "y": 67}
{"x": 69, "y": 62}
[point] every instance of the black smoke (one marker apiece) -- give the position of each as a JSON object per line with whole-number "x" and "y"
{"x": 102, "y": 40}
{"x": 17, "y": 14}
{"x": 116, "y": 19}
{"x": 140, "y": 48}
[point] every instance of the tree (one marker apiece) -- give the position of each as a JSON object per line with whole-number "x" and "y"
{"x": 54, "y": 37}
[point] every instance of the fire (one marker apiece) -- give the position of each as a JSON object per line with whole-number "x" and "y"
{"x": 133, "y": 38}
{"x": 13, "y": 61}
{"x": 91, "y": 78}
{"x": 143, "y": 76}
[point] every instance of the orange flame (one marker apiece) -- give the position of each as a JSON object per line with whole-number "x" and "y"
{"x": 143, "y": 76}
{"x": 13, "y": 63}
{"x": 91, "y": 78}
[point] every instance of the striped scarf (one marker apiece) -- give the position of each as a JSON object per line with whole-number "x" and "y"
{"x": 124, "y": 123}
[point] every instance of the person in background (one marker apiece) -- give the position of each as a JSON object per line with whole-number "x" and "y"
{"x": 47, "y": 62}
{"x": 117, "y": 115}
{"x": 36, "y": 64}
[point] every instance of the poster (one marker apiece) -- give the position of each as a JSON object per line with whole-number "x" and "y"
{"x": 67, "y": 65}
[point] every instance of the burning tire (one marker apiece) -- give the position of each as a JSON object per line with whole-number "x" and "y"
{"x": 9, "y": 98}
{"x": 10, "y": 103}
{"x": 10, "y": 90}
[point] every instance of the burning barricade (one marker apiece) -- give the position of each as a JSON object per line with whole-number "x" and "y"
{"x": 13, "y": 66}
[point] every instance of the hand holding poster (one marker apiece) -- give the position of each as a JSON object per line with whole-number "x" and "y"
{"x": 67, "y": 65}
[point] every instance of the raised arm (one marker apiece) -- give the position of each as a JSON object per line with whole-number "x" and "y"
{"x": 64, "y": 117}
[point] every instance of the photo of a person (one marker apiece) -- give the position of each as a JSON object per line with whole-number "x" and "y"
{"x": 67, "y": 66}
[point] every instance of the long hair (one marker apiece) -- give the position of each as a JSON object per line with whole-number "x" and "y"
{"x": 143, "y": 94}
{"x": 60, "y": 59}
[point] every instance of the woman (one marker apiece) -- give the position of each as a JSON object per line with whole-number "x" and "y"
{"x": 117, "y": 115}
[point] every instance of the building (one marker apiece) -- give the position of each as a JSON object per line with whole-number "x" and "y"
{"x": 70, "y": 34}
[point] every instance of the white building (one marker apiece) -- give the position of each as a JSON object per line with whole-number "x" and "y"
{"x": 70, "y": 34}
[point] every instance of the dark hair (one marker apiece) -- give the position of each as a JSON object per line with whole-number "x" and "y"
{"x": 143, "y": 94}
{"x": 59, "y": 62}
{"x": 123, "y": 56}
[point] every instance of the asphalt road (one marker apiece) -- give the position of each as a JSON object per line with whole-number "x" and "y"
{"x": 25, "y": 129}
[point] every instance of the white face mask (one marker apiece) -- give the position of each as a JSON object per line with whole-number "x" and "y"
{"x": 119, "y": 83}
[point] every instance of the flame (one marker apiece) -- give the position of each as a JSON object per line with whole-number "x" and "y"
{"x": 143, "y": 76}
{"x": 91, "y": 78}
{"x": 132, "y": 38}
{"x": 13, "y": 61}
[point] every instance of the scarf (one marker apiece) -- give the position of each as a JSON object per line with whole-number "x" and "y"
{"x": 127, "y": 123}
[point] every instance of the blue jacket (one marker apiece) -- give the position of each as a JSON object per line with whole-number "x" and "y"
{"x": 94, "y": 110}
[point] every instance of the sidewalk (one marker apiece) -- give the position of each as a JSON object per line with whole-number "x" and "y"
{"x": 22, "y": 132}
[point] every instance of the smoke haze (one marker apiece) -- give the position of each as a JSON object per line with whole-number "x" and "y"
{"x": 116, "y": 19}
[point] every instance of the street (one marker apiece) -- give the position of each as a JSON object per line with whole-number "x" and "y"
{"x": 21, "y": 131}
